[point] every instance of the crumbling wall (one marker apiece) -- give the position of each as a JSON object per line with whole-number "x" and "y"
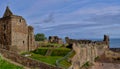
{"x": 87, "y": 50}
{"x": 55, "y": 39}
{"x": 14, "y": 31}
{"x": 84, "y": 53}
{"x": 31, "y": 40}
{"x": 104, "y": 42}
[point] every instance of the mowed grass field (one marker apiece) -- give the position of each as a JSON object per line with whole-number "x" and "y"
{"x": 7, "y": 65}
{"x": 57, "y": 53}
{"x": 47, "y": 59}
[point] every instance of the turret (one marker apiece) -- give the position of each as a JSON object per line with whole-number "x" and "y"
{"x": 7, "y": 12}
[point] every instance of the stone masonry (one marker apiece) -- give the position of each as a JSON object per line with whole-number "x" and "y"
{"x": 15, "y": 34}
{"x": 55, "y": 39}
{"x": 87, "y": 51}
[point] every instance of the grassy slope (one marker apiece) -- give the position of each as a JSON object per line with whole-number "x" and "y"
{"x": 47, "y": 59}
{"x": 57, "y": 53}
{"x": 6, "y": 65}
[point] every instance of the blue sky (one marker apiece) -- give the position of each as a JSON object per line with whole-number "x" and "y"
{"x": 74, "y": 18}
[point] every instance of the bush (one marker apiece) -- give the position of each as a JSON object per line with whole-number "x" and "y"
{"x": 40, "y": 37}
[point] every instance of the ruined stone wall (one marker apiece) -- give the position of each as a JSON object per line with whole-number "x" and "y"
{"x": 14, "y": 33}
{"x": 55, "y": 39}
{"x": 31, "y": 40}
{"x": 5, "y": 31}
{"x": 25, "y": 60}
{"x": 86, "y": 52}
{"x": 104, "y": 42}
{"x": 19, "y": 33}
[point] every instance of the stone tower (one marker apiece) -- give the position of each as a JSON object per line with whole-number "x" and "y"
{"x": 15, "y": 33}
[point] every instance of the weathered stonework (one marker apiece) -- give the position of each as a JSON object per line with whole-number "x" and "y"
{"x": 55, "y": 39}
{"x": 86, "y": 51}
{"x": 15, "y": 34}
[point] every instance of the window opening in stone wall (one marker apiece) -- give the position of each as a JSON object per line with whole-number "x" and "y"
{"x": 20, "y": 20}
{"x": 23, "y": 42}
{"x": 4, "y": 27}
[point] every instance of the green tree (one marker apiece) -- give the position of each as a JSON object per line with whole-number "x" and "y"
{"x": 40, "y": 37}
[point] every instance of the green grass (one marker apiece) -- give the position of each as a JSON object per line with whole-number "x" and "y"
{"x": 6, "y": 65}
{"x": 65, "y": 64}
{"x": 60, "y": 51}
{"x": 41, "y": 51}
{"x": 47, "y": 59}
{"x": 55, "y": 51}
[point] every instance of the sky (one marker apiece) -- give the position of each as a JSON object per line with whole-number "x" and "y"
{"x": 79, "y": 19}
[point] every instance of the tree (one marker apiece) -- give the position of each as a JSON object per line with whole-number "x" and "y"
{"x": 40, "y": 37}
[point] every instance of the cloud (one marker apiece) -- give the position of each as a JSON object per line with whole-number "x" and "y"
{"x": 74, "y": 18}
{"x": 106, "y": 10}
{"x": 49, "y": 19}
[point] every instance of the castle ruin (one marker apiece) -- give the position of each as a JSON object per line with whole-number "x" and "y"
{"x": 15, "y": 34}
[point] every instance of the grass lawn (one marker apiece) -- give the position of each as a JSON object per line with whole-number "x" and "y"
{"x": 65, "y": 64}
{"x": 47, "y": 59}
{"x": 6, "y": 65}
{"x": 55, "y": 51}
{"x": 56, "y": 54}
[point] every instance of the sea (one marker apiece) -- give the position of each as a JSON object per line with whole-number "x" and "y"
{"x": 114, "y": 42}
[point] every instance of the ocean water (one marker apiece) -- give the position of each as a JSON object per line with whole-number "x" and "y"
{"x": 114, "y": 43}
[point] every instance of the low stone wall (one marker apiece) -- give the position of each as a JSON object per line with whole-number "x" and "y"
{"x": 25, "y": 60}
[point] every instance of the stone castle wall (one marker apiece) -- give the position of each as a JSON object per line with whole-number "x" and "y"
{"x": 19, "y": 33}
{"x": 5, "y": 31}
{"x": 87, "y": 50}
{"x": 15, "y": 33}
{"x": 31, "y": 40}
